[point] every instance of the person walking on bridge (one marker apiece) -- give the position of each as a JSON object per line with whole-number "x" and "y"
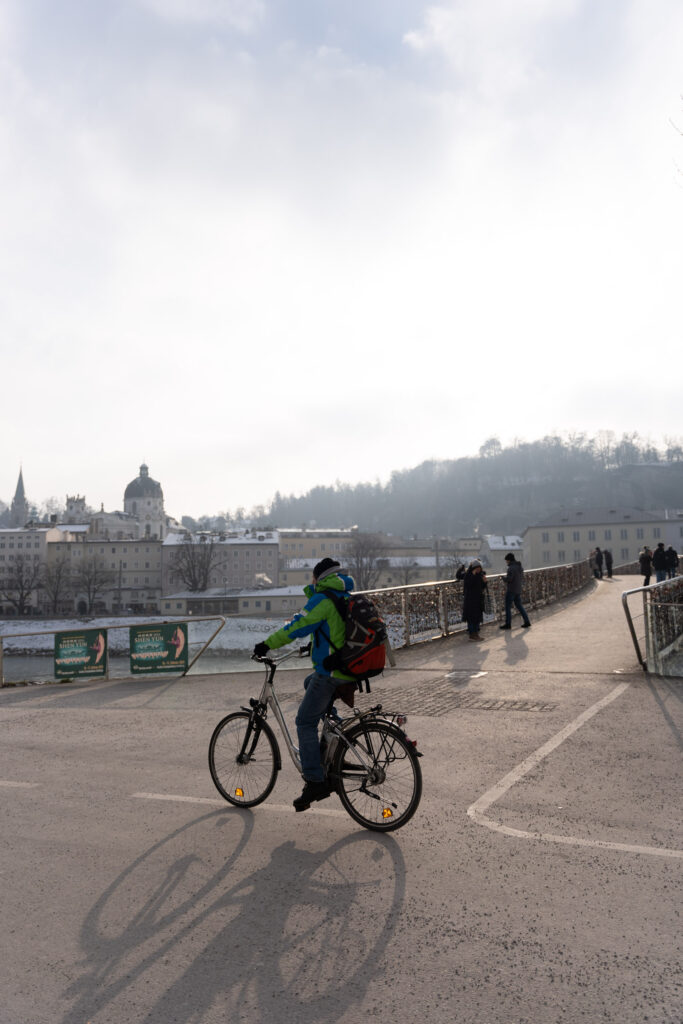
{"x": 513, "y": 592}
{"x": 671, "y": 561}
{"x": 645, "y": 562}
{"x": 659, "y": 562}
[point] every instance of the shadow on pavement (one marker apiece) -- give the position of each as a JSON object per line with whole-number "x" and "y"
{"x": 175, "y": 940}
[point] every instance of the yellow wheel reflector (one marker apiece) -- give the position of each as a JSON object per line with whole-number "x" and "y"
{"x": 387, "y": 812}
{"x": 239, "y": 792}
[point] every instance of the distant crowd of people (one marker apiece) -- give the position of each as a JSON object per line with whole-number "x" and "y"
{"x": 664, "y": 562}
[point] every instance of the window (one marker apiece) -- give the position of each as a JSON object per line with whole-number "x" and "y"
{"x": 591, "y": 534}
{"x": 624, "y": 553}
{"x": 640, "y": 533}
{"x": 623, "y": 534}
{"x": 546, "y": 556}
{"x": 545, "y": 538}
{"x": 560, "y": 556}
{"x": 560, "y": 537}
{"x": 608, "y": 534}
{"x": 576, "y": 536}
{"x": 656, "y": 532}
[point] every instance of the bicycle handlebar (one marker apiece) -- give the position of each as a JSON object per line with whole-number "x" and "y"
{"x": 299, "y": 652}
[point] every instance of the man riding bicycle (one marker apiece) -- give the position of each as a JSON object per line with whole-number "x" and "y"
{"x": 322, "y": 622}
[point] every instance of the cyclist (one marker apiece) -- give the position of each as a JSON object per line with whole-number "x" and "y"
{"x": 320, "y": 620}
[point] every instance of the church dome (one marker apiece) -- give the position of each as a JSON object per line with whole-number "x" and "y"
{"x": 143, "y": 486}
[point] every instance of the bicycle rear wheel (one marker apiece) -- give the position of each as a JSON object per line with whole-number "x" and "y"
{"x": 385, "y": 795}
{"x": 244, "y": 759}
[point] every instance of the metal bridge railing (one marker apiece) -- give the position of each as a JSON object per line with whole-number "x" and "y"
{"x": 425, "y": 611}
{"x": 657, "y": 626}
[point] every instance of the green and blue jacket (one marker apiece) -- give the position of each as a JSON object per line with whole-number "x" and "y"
{"x": 320, "y": 620}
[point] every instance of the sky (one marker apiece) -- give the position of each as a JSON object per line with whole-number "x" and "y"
{"x": 264, "y": 245}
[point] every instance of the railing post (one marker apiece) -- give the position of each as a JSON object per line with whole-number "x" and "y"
{"x": 443, "y": 612}
{"x": 2, "y": 677}
{"x": 406, "y": 619}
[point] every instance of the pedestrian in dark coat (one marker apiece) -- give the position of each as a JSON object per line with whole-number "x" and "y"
{"x": 474, "y": 586}
{"x": 659, "y": 562}
{"x": 608, "y": 562}
{"x": 598, "y": 562}
{"x": 671, "y": 561}
{"x": 645, "y": 561}
{"x": 513, "y": 592}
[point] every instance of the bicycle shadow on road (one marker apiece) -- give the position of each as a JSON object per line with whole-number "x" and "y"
{"x": 301, "y": 936}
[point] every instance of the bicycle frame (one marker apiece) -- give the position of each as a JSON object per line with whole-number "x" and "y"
{"x": 268, "y": 698}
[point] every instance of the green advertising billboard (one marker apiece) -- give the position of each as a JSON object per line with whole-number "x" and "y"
{"x": 160, "y": 648}
{"x": 81, "y": 653}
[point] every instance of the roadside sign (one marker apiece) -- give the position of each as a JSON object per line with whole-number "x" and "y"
{"x": 161, "y": 648}
{"x": 80, "y": 653}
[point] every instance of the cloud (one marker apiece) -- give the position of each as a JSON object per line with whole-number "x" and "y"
{"x": 243, "y": 15}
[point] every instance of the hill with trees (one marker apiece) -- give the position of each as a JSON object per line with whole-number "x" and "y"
{"x": 500, "y": 490}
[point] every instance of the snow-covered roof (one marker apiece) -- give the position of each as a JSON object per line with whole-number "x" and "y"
{"x": 72, "y": 528}
{"x": 262, "y": 537}
{"x": 215, "y": 593}
{"x": 506, "y": 542}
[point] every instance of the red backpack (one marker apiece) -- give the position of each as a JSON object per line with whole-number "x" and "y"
{"x": 363, "y": 653}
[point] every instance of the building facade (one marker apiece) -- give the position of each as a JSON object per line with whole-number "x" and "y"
{"x": 570, "y": 535}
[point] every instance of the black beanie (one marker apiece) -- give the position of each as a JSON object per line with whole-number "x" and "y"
{"x": 325, "y": 567}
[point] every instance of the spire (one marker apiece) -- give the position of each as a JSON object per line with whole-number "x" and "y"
{"x": 19, "y": 509}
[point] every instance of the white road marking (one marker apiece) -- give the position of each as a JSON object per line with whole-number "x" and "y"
{"x": 477, "y": 811}
{"x": 327, "y": 812}
{"x": 18, "y": 785}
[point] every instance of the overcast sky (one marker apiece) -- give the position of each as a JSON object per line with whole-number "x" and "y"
{"x": 268, "y": 244}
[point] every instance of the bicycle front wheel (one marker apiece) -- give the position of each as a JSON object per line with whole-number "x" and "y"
{"x": 383, "y": 792}
{"x": 244, "y": 759}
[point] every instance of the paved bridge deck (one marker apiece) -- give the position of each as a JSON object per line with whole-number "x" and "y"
{"x": 539, "y": 882}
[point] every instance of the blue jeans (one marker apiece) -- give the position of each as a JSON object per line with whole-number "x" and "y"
{"x": 515, "y": 599}
{"x": 661, "y": 575}
{"x": 317, "y": 698}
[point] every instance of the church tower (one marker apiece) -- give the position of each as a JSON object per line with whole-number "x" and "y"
{"x": 144, "y": 499}
{"x": 19, "y": 510}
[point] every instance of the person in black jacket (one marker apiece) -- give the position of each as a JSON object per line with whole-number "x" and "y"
{"x": 608, "y": 562}
{"x": 513, "y": 593}
{"x": 645, "y": 562}
{"x": 474, "y": 584}
{"x": 671, "y": 561}
{"x": 659, "y": 562}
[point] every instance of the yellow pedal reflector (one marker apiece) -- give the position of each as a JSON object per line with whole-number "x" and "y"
{"x": 387, "y": 812}
{"x": 239, "y": 792}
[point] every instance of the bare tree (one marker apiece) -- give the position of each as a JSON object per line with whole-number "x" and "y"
{"x": 407, "y": 570}
{"x": 93, "y": 578}
{"x": 56, "y": 581}
{"x": 193, "y": 560}
{"x": 363, "y": 557}
{"x": 23, "y": 578}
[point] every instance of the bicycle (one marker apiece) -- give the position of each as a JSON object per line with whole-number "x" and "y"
{"x": 368, "y": 759}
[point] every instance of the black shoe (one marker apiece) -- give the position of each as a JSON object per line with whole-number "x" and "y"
{"x": 506, "y": 627}
{"x": 526, "y": 625}
{"x": 311, "y": 792}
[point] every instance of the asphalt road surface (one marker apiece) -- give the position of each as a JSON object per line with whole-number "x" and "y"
{"x": 538, "y": 883}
